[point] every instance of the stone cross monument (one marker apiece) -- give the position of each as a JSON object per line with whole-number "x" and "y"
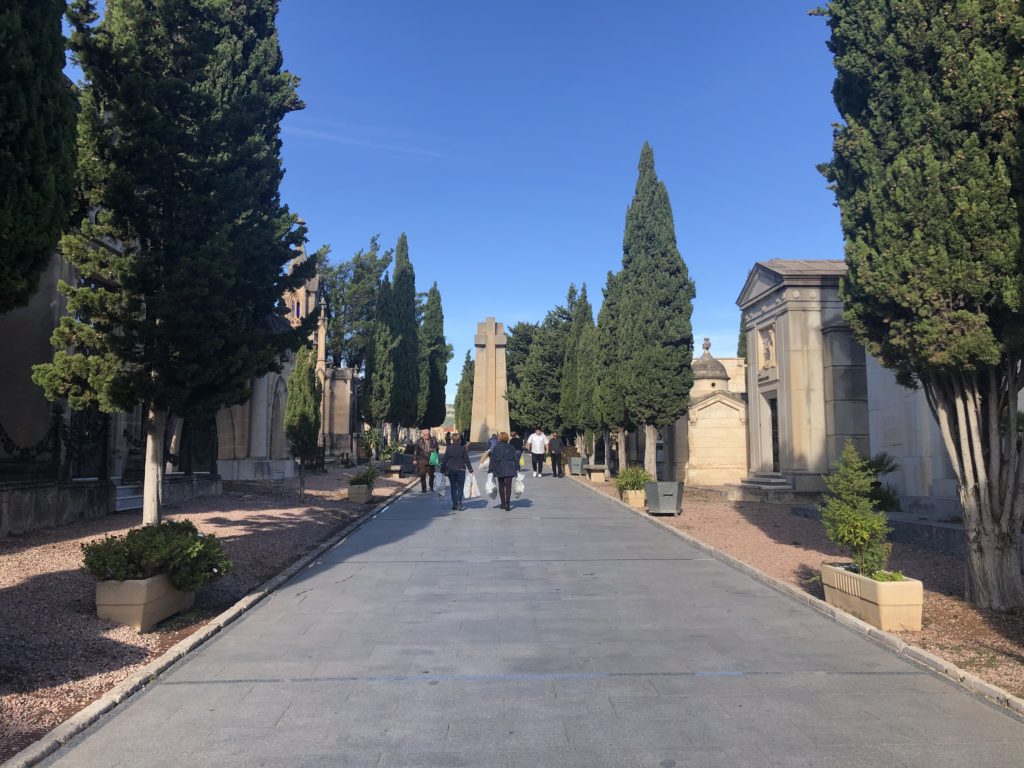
{"x": 490, "y": 408}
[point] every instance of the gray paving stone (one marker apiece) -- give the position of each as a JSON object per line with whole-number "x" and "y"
{"x": 566, "y": 633}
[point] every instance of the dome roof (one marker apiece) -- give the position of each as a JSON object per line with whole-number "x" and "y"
{"x": 707, "y": 367}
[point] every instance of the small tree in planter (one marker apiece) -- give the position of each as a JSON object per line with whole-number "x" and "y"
{"x": 152, "y": 572}
{"x": 302, "y": 413}
{"x": 853, "y": 523}
{"x": 630, "y": 484}
{"x": 849, "y": 514}
{"x": 360, "y": 487}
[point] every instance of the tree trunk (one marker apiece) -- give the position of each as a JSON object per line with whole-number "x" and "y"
{"x": 607, "y": 438}
{"x": 994, "y": 577}
{"x": 394, "y": 434}
{"x": 302, "y": 480}
{"x": 623, "y": 457}
{"x": 977, "y": 416}
{"x": 156, "y": 426}
{"x": 651, "y": 450}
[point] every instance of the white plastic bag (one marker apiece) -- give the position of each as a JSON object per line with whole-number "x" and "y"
{"x": 491, "y": 487}
{"x": 440, "y": 479}
{"x": 518, "y": 485}
{"x": 470, "y": 490}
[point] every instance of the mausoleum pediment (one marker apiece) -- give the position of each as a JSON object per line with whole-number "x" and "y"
{"x": 760, "y": 281}
{"x": 767, "y": 276}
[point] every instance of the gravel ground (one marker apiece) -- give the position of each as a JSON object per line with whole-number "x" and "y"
{"x": 791, "y": 548}
{"x": 56, "y": 656}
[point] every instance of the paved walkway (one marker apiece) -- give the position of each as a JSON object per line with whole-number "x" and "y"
{"x": 563, "y": 634}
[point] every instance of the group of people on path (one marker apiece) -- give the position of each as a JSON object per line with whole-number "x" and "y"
{"x": 504, "y": 459}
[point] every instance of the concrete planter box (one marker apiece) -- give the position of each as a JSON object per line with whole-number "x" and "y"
{"x": 576, "y": 465}
{"x": 888, "y": 605}
{"x": 635, "y": 499}
{"x": 141, "y": 603}
{"x": 664, "y": 498}
{"x": 360, "y": 493}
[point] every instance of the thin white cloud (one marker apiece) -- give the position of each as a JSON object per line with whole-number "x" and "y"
{"x": 341, "y": 138}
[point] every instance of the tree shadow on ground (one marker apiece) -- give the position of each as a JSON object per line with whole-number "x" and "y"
{"x": 62, "y": 605}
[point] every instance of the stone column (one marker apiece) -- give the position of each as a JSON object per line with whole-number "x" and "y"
{"x": 490, "y": 383}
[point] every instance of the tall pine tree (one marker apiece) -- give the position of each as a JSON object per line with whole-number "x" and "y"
{"x": 535, "y": 396}
{"x": 379, "y": 383}
{"x": 434, "y": 356}
{"x": 464, "y": 395}
{"x": 609, "y": 399}
{"x": 349, "y": 293}
{"x": 37, "y": 144}
{"x": 175, "y": 306}
{"x": 656, "y": 303}
{"x": 405, "y": 331}
{"x": 571, "y": 397}
{"x": 927, "y": 175}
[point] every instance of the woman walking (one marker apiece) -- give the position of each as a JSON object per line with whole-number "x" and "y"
{"x": 455, "y": 465}
{"x": 503, "y": 469}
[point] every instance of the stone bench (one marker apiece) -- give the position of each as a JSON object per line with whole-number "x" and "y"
{"x": 395, "y": 470}
{"x": 596, "y": 472}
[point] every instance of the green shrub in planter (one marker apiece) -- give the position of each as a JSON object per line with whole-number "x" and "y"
{"x": 632, "y": 479}
{"x": 175, "y": 547}
{"x": 851, "y": 519}
{"x": 367, "y": 477}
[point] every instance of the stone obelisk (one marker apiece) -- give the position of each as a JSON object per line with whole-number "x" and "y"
{"x": 490, "y": 408}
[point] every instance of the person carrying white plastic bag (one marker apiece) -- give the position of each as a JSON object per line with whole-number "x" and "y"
{"x": 471, "y": 489}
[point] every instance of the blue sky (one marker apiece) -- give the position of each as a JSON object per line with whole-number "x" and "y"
{"x": 503, "y": 138}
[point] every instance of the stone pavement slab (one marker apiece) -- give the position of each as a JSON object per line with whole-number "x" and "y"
{"x": 564, "y": 633}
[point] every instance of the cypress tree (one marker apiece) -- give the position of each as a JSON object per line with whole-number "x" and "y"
{"x": 927, "y": 174}
{"x": 380, "y": 367}
{"x": 302, "y": 412}
{"x": 587, "y": 375}
{"x": 741, "y": 344}
{"x": 434, "y": 356}
{"x": 571, "y": 396}
{"x": 464, "y": 395}
{"x": 405, "y": 332}
{"x": 37, "y": 144}
{"x": 609, "y": 398}
{"x": 349, "y": 293}
{"x": 656, "y": 303}
{"x": 534, "y": 399}
{"x": 175, "y": 305}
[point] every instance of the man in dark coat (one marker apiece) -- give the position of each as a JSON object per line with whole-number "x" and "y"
{"x": 425, "y": 446}
{"x": 555, "y": 448}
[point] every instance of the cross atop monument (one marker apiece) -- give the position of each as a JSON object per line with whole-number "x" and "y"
{"x": 490, "y": 383}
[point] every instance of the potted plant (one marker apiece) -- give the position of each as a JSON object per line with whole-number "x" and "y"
{"x": 152, "y": 572}
{"x": 664, "y": 498}
{"x": 360, "y": 487}
{"x": 630, "y": 485}
{"x": 866, "y": 588}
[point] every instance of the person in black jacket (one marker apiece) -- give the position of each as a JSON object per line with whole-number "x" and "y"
{"x": 555, "y": 448}
{"x": 503, "y": 468}
{"x": 455, "y": 465}
{"x": 517, "y": 445}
